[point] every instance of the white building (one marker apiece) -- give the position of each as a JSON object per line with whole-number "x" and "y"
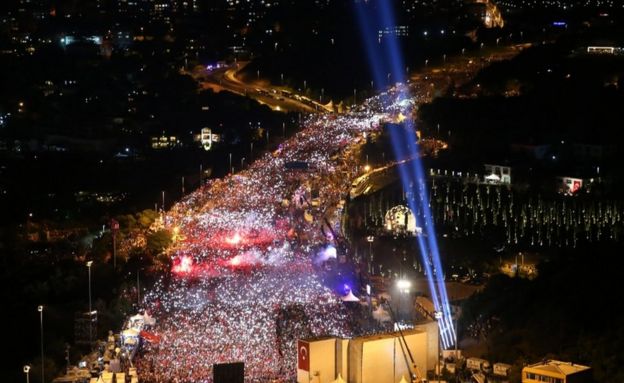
{"x": 497, "y": 174}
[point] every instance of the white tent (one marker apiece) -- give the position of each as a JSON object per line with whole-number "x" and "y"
{"x": 339, "y": 379}
{"x": 403, "y": 380}
{"x": 149, "y": 320}
{"x": 492, "y": 177}
{"x": 350, "y": 297}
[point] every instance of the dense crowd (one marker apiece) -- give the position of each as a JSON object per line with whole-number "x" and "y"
{"x": 244, "y": 287}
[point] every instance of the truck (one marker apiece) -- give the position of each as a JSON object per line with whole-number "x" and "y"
{"x": 477, "y": 364}
{"x": 502, "y": 369}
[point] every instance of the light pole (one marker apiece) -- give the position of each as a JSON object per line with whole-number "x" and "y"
{"x": 138, "y": 289}
{"x": 27, "y": 372}
{"x": 40, "y": 309}
{"x": 404, "y": 286}
{"x": 370, "y": 240}
{"x": 230, "y": 162}
{"x": 89, "y": 264}
{"x": 438, "y": 316}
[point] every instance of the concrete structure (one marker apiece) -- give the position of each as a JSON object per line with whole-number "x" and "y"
{"x": 554, "y": 371}
{"x": 380, "y": 358}
{"x": 431, "y": 328}
{"x": 316, "y": 360}
{"x": 370, "y": 359}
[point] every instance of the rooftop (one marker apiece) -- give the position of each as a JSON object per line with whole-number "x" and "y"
{"x": 565, "y": 368}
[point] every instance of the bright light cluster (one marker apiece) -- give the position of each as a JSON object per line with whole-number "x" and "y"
{"x": 243, "y": 286}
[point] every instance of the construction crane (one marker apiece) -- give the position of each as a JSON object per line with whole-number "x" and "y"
{"x": 415, "y": 374}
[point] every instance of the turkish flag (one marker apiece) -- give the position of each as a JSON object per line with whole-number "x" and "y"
{"x": 303, "y": 355}
{"x": 576, "y": 186}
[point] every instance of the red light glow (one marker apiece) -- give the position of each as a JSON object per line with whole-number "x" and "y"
{"x": 183, "y": 265}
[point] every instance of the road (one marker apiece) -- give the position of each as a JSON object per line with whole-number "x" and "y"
{"x": 277, "y": 98}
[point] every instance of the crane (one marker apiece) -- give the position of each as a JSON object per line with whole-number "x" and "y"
{"x": 412, "y": 368}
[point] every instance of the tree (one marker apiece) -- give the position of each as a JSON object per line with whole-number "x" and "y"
{"x": 158, "y": 241}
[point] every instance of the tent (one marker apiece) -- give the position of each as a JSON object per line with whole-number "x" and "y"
{"x": 403, "y": 380}
{"x": 149, "y": 320}
{"x": 339, "y": 380}
{"x": 350, "y": 297}
{"x": 493, "y": 178}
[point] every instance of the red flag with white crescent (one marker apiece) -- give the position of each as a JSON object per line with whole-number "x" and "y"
{"x": 303, "y": 353}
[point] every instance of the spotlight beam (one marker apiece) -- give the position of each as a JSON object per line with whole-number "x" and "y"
{"x": 405, "y": 145}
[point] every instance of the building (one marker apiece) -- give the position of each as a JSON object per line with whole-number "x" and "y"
{"x": 554, "y": 371}
{"x": 165, "y": 142}
{"x": 380, "y": 358}
{"x": 398, "y": 31}
{"x": 497, "y": 174}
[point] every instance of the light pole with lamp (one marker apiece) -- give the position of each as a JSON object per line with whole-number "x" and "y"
{"x": 40, "y": 309}
{"x": 404, "y": 287}
{"x": 438, "y": 315}
{"x": 27, "y": 372}
{"x": 89, "y": 264}
{"x": 370, "y": 240}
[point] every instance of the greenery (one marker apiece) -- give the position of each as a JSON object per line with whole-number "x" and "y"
{"x": 569, "y": 312}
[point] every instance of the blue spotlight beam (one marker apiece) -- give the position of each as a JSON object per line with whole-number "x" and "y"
{"x": 405, "y": 145}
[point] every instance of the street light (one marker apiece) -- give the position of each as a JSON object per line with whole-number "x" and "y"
{"x": 403, "y": 286}
{"x": 89, "y": 264}
{"x": 40, "y": 309}
{"x": 370, "y": 240}
{"x": 27, "y": 372}
{"x": 438, "y": 316}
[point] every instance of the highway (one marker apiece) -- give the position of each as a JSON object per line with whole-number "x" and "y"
{"x": 277, "y": 98}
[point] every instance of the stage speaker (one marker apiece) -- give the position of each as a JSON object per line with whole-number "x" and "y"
{"x": 228, "y": 372}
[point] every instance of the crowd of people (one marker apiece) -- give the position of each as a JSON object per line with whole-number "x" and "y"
{"x": 244, "y": 286}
